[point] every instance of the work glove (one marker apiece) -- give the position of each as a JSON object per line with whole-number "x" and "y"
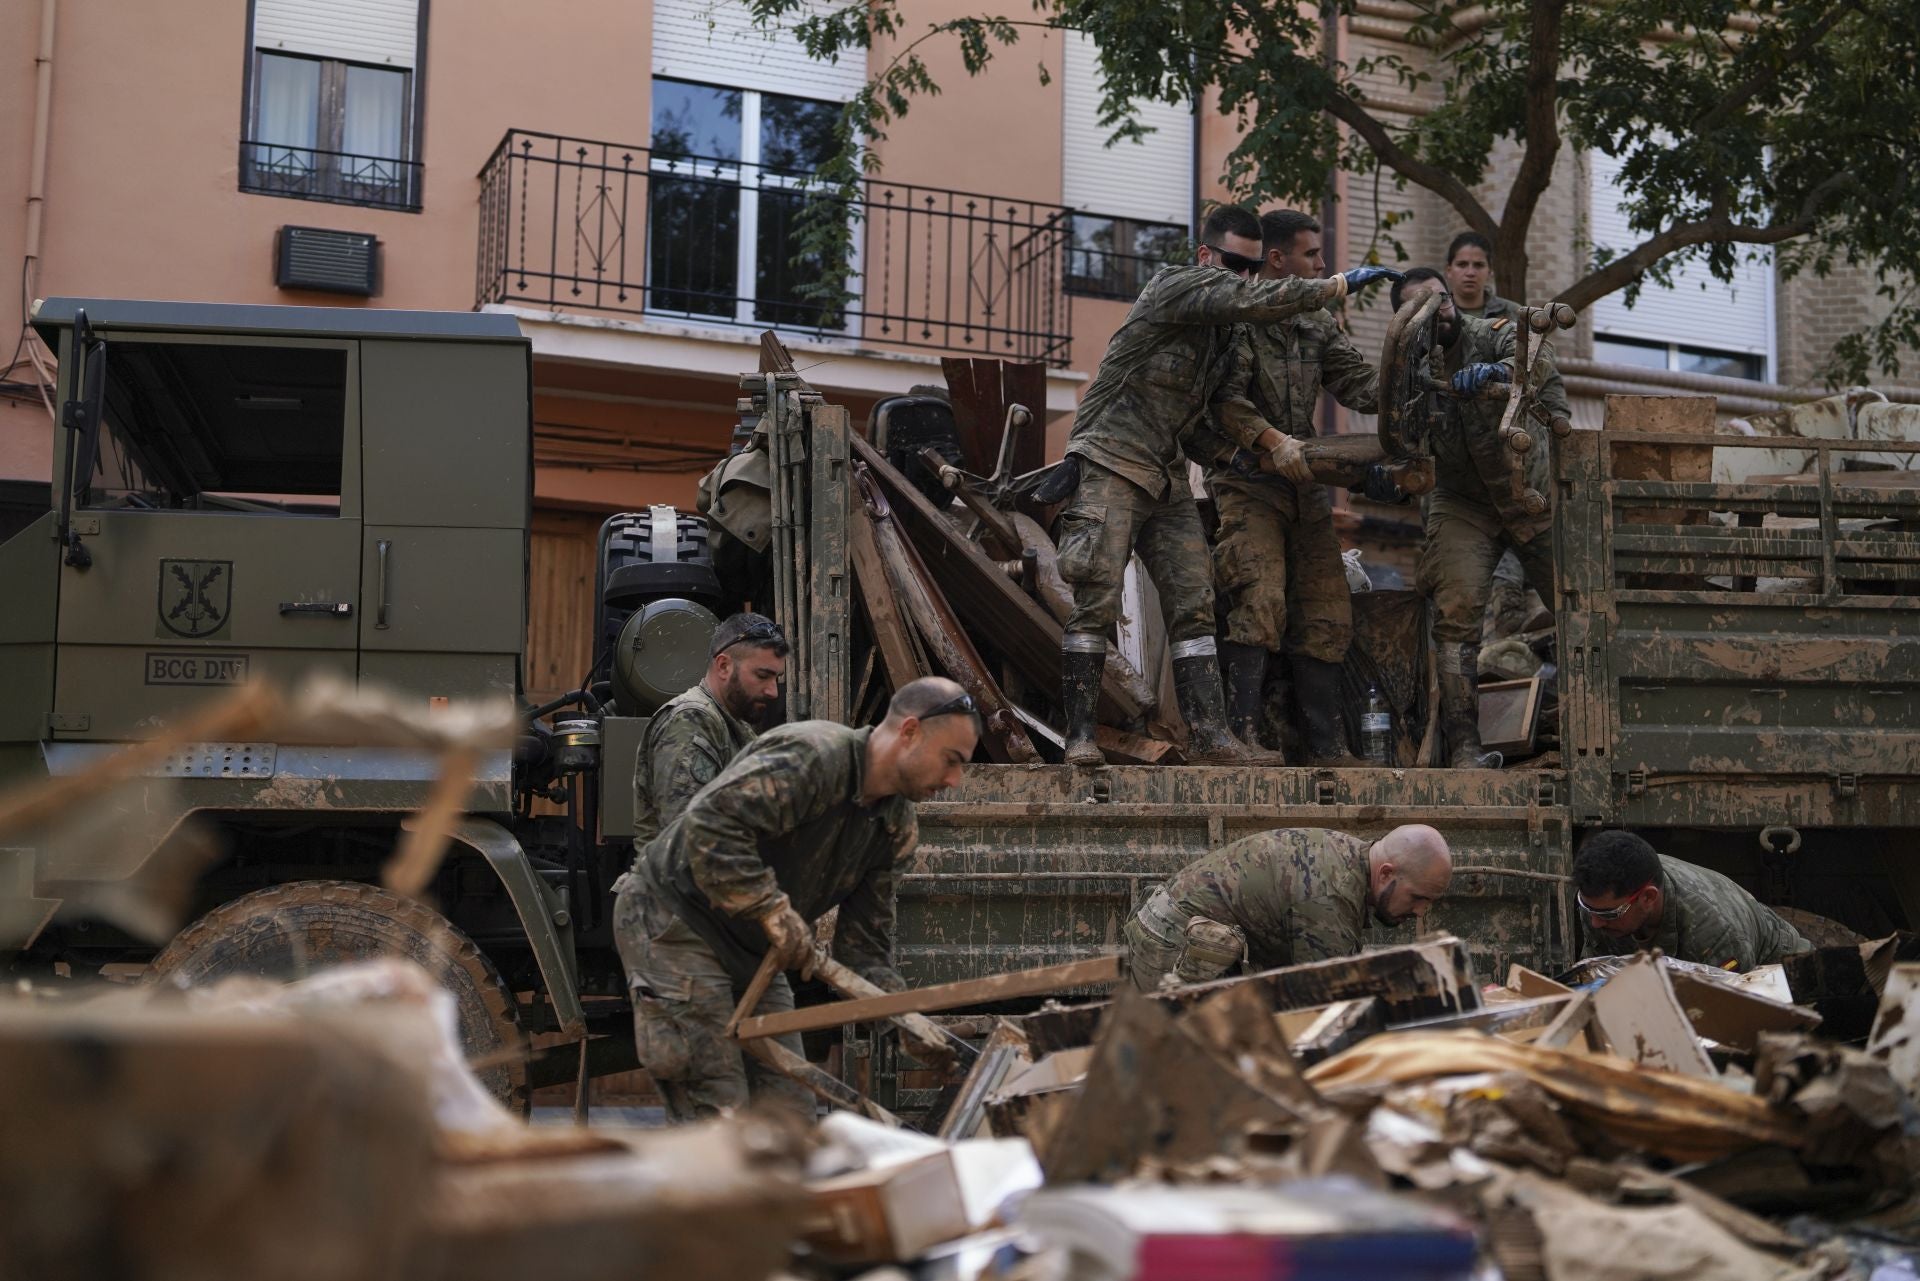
{"x": 1361, "y": 276}
{"x": 1470, "y": 380}
{"x": 1288, "y": 458}
{"x": 1060, "y": 482}
{"x": 1380, "y": 487}
{"x": 789, "y": 938}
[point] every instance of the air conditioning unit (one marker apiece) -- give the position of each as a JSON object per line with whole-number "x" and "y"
{"x": 335, "y": 262}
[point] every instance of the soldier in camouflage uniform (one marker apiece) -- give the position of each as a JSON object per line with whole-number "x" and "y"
{"x": 1470, "y": 281}
{"x": 1635, "y": 899}
{"x": 1127, "y": 476}
{"x": 1283, "y": 898}
{"x": 1472, "y": 513}
{"x": 693, "y": 737}
{"x": 1276, "y": 559}
{"x": 810, "y": 817}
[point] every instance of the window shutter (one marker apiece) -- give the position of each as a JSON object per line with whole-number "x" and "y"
{"x": 1151, "y": 181}
{"x": 1697, "y": 311}
{"x": 385, "y": 33}
{"x": 718, "y": 44}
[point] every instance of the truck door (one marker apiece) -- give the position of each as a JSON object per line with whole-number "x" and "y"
{"x": 447, "y": 471}
{"x": 223, "y": 523}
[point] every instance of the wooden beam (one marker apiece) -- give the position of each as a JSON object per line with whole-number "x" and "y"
{"x": 827, "y": 1087}
{"x": 1096, "y": 972}
{"x": 890, "y": 632}
{"x": 978, "y": 589}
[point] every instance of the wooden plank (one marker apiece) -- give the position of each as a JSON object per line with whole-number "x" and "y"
{"x": 883, "y": 607}
{"x": 1642, "y": 1019}
{"x": 1123, "y": 748}
{"x": 1095, "y": 972}
{"x": 978, "y": 589}
{"x": 826, "y": 1086}
{"x": 1575, "y": 1017}
{"x": 1341, "y": 1024}
{"x": 1530, "y": 984}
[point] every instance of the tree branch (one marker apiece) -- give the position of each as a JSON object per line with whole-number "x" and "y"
{"x": 1343, "y": 107}
{"x": 1745, "y": 91}
{"x": 1542, "y": 145}
{"x": 1622, "y": 271}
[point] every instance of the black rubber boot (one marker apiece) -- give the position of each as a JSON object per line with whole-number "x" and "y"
{"x": 1460, "y": 718}
{"x": 1080, "y": 672}
{"x": 1316, "y": 684}
{"x": 1196, "y": 681}
{"x": 1246, "y": 677}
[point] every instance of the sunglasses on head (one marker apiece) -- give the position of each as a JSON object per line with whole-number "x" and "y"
{"x": 958, "y": 703}
{"x": 756, "y": 633}
{"x": 1233, "y": 261}
{"x": 1608, "y": 913}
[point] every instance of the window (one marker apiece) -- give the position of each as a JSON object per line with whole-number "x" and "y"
{"x": 724, "y": 204}
{"x": 1678, "y": 358}
{"x": 222, "y": 427}
{"x": 332, "y": 110}
{"x": 1663, "y": 327}
{"x": 1114, "y": 257}
{"x": 1151, "y": 180}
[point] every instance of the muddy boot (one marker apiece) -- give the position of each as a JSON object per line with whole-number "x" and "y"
{"x": 1246, "y": 675}
{"x": 1196, "y": 680}
{"x": 1317, "y": 685}
{"x": 1081, "y": 665}
{"x": 1460, "y": 712}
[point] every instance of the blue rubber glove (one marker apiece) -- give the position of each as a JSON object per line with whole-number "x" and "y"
{"x": 1361, "y": 276}
{"x": 1471, "y": 379}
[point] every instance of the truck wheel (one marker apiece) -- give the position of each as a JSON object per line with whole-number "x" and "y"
{"x": 288, "y": 931}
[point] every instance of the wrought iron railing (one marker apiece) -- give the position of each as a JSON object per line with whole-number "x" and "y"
{"x": 308, "y": 173}
{"x": 568, "y": 223}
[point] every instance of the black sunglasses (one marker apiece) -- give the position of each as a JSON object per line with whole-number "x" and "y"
{"x": 761, "y": 633}
{"x": 1233, "y": 261}
{"x": 958, "y": 703}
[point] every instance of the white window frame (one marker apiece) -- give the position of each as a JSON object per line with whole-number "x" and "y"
{"x": 749, "y": 177}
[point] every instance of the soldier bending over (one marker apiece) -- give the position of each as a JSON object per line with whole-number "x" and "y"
{"x": 1283, "y": 898}
{"x": 1633, "y": 899}
{"x": 810, "y": 817}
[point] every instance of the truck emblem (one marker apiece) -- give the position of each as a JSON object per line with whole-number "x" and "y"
{"x": 195, "y": 595}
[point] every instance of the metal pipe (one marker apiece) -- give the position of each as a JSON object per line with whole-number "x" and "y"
{"x": 42, "y": 127}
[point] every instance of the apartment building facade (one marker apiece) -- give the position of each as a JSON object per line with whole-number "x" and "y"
{"x": 626, "y": 178}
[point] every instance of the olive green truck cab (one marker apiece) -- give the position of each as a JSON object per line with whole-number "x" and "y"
{"x": 261, "y": 493}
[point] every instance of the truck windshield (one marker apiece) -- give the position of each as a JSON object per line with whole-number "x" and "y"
{"x": 222, "y": 427}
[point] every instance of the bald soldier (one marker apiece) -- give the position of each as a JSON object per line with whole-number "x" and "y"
{"x": 693, "y": 737}
{"x": 809, "y": 817}
{"x": 1635, "y": 899}
{"x": 1283, "y": 898}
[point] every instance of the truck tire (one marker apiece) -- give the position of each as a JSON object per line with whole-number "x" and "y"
{"x": 287, "y": 931}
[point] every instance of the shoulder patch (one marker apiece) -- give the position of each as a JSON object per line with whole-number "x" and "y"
{"x": 1497, "y": 324}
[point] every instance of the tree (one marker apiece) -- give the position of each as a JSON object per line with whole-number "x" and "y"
{"x": 1741, "y": 124}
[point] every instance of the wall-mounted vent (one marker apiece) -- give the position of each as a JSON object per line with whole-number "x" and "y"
{"x": 337, "y": 262}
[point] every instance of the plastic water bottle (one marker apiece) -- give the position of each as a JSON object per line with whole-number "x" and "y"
{"x": 1376, "y": 728}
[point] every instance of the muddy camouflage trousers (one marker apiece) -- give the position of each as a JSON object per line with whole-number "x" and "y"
{"x": 1282, "y": 576}
{"x": 1456, "y": 574}
{"x": 1107, "y": 520}
{"x": 682, "y": 999}
{"x": 1162, "y": 940}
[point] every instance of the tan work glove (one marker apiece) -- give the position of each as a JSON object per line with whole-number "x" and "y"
{"x": 789, "y": 937}
{"x": 1286, "y": 458}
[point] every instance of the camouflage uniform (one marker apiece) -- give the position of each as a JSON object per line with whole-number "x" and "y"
{"x": 1276, "y": 547}
{"x": 784, "y": 818}
{"x": 1292, "y": 896}
{"x": 1155, "y": 381}
{"x": 1472, "y": 515}
{"x": 686, "y": 743}
{"x": 1707, "y": 918}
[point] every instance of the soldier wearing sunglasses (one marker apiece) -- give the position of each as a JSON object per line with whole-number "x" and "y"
{"x": 1633, "y": 899}
{"x": 810, "y": 817}
{"x": 1126, "y": 476}
{"x": 693, "y": 737}
{"x": 1276, "y": 559}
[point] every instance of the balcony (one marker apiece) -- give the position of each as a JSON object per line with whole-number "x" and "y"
{"x": 596, "y": 227}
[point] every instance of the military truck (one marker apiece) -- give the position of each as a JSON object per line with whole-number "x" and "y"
{"x": 260, "y": 492}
